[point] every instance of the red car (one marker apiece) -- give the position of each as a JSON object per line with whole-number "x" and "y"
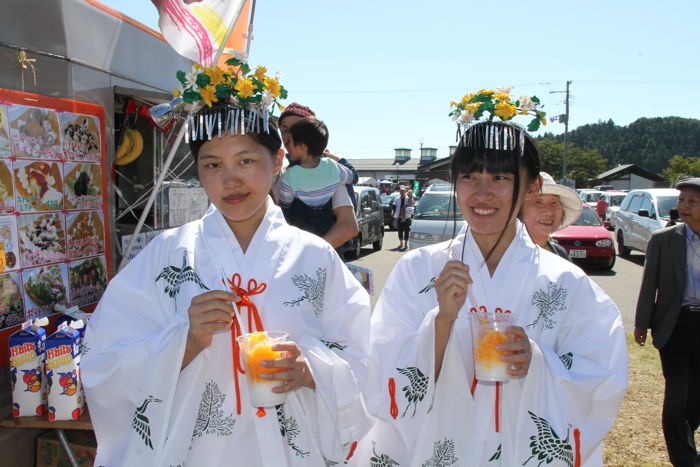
{"x": 587, "y": 241}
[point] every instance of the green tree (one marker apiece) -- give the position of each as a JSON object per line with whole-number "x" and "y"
{"x": 681, "y": 167}
{"x": 582, "y": 165}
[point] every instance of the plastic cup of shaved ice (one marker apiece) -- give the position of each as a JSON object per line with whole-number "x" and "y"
{"x": 256, "y": 347}
{"x": 488, "y": 331}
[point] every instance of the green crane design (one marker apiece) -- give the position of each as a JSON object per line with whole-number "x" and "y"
{"x": 141, "y": 424}
{"x": 416, "y": 388}
{"x": 175, "y": 276}
{"x": 547, "y": 446}
{"x": 380, "y": 460}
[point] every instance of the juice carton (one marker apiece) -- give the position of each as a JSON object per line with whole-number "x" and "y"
{"x": 27, "y": 369}
{"x": 66, "y": 399}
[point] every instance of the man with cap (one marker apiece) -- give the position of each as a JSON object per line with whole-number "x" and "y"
{"x": 669, "y": 304}
{"x": 344, "y": 203}
{"x": 556, "y": 207}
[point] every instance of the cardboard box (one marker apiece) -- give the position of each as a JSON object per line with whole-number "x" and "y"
{"x": 50, "y": 453}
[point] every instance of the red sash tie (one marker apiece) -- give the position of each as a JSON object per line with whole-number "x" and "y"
{"x": 254, "y": 324}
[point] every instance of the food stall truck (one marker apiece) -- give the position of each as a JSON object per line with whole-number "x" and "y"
{"x": 76, "y": 80}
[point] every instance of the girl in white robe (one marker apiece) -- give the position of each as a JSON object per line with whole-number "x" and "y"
{"x": 163, "y": 380}
{"x": 566, "y": 351}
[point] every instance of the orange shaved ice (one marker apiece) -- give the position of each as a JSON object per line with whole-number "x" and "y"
{"x": 257, "y": 350}
{"x": 486, "y": 352}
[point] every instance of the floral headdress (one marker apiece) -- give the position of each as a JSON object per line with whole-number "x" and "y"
{"x": 230, "y": 99}
{"x": 498, "y": 103}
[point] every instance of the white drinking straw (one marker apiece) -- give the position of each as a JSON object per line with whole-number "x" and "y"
{"x": 235, "y": 307}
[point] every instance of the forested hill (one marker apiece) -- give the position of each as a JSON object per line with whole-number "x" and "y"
{"x": 647, "y": 142}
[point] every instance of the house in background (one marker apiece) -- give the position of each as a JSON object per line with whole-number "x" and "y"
{"x": 630, "y": 177}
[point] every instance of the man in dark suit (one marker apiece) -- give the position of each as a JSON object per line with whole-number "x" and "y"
{"x": 669, "y": 304}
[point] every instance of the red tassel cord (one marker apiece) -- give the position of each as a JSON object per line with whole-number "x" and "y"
{"x": 352, "y": 451}
{"x": 394, "y": 409}
{"x": 473, "y": 388}
{"x": 254, "y": 323}
{"x": 498, "y": 406}
{"x": 577, "y": 447}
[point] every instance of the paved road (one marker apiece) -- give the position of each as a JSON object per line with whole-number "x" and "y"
{"x": 621, "y": 284}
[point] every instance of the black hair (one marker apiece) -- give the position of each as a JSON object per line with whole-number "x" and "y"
{"x": 313, "y": 133}
{"x": 270, "y": 139}
{"x": 673, "y": 214}
{"x": 472, "y": 155}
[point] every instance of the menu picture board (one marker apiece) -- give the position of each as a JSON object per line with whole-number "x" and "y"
{"x": 53, "y": 206}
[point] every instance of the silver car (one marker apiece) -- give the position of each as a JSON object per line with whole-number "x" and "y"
{"x": 437, "y": 218}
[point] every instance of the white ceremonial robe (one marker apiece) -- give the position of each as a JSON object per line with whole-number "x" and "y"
{"x": 556, "y": 415}
{"x": 147, "y": 412}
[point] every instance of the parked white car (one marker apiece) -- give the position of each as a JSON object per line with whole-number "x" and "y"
{"x": 614, "y": 200}
{"x": 437, "y": 217}
{"x": 590, "y": 197}
{"x": 641, "y": 213}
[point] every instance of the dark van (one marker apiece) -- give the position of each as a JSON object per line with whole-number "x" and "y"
{"x": 370, "y": 220}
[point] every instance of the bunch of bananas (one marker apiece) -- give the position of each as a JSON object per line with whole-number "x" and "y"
{"x": 130, "y": 147}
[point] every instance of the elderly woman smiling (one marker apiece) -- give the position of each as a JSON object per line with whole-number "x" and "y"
{"x": 555, "y": 208}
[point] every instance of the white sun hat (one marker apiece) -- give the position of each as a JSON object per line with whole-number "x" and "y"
{"x": 569, "y": 199}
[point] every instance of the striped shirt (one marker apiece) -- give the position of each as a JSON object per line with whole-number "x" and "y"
{"x": 315, "y": 186}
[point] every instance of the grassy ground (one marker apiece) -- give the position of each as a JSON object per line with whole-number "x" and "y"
{"x": 637, "y": 438}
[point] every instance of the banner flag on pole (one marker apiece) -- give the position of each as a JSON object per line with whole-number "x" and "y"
{"x": 197, "y": 28}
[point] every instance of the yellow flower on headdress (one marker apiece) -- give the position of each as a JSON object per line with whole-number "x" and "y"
{"x": 216, "y": 75}
{"x": 472, "y": 108}
{"x": 486, "y": 92}
{"x": 176, "y": 93}
{"x": 208, "y": 94}
{"x": 273, "y": 86}
{"x": 260, "y": 73}
{"x": 505, "y": 111}
{"x": 245, "y": 87}
{"x": 467, "y": 98}
{"x": 502, "y": 97}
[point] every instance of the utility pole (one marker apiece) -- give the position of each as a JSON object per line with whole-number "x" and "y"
{"x": 565, "y": 120}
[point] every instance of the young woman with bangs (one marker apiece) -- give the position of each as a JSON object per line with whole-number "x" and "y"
{"x": 565, "y": 350}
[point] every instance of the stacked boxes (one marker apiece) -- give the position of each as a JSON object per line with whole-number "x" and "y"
{"x": 27, "y": 369}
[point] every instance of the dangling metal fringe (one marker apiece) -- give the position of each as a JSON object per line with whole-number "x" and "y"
{"x": 235, "y": 121}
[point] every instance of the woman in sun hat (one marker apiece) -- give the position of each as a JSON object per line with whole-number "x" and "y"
{"x": 556, "y": 207}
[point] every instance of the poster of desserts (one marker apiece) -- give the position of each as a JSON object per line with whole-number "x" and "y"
{"x": 5, "y": 146}
{"x": 86, "y": 234}
{"x": 11, "y": 300}
{"x": 88, "y": 280}
{"x": 41, "y": 238}
{"x": 80, "y": 137}
{"x": 44, "y": 287}
{"x": 34, "y": 132}
{"x": 8, "y": 243}
{"x": 38, "y": 186}
{"x": 82, "y": 184}
{"x": 7, "y": 191}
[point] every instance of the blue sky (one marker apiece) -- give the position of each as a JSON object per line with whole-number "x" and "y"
{"x": 382, "y": 73}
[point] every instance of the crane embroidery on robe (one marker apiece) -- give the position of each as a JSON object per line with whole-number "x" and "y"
{"x": 546, "y": 446}
{"x": 380, "y": 460}
{"x": 175, "y": 276}
{"x": 313, "y": 290}
{"x": 496, "y": 455}
{"x": 141, "y": 423}
{"x": 290, "y": 430}
{"x": 429, "y": 287}
{"x": 567, "y": 359}
{"x": 443, "y": 454}
{"x": 333, "y": 345}
{"x": 415, "y": 389}
{"x": 210, "y": 418}
{"x": 548, "y": 303}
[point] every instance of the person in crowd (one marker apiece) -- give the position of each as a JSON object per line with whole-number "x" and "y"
{"x": 162, "y": 367}
{"x": 402, "y": 217}
{"x": 601, "y": 207}
{"x": 344, "y": 202}
{"x": 669, "y": 305}
{"x": 556, "y": 207}
{"x": 673, "y": 217}
{"x": 565, "y": 351}
{"x": 306, "y": 188}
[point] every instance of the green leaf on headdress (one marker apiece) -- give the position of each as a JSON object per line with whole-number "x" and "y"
{"x": 454, "y": 112}
{"x": 535, "y": 99}
{"x": 233, "y": 61}
{"x": 202, "y": 80}
{"x": 480, "y": 98}
{"x": 181, "y": 77}
{"x": 222, "y": 91}
{"x": 245, "y": 69}
{"x": 190, "y": 96}
{"x": 534, "y": 124}
{"x": 283, "y": 93}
